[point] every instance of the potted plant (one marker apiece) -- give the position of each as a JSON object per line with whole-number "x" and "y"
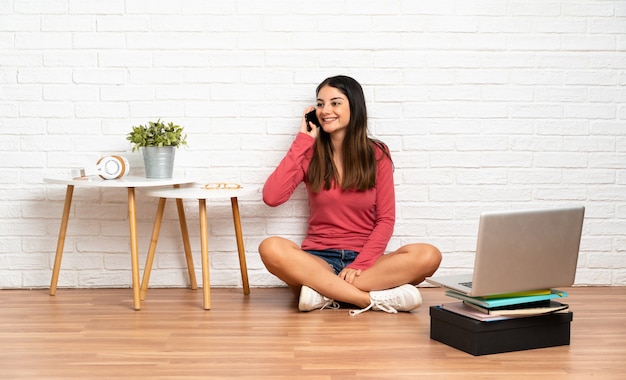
{"x": 158, "y": 142}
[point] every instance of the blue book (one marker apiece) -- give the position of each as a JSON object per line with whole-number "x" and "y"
{"x": 507, "y": 301}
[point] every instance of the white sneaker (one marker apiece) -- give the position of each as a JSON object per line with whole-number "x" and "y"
{"x": 312, "y": 300}
{"x": 401, "y": 298}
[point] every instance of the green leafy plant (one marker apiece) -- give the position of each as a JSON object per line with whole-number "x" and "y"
{"x": 157, "y": 134}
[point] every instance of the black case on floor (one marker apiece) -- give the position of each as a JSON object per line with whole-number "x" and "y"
{"x": 482, "y": 338}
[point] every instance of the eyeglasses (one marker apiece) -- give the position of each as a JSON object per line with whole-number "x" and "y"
{"x": 222, "y": 186}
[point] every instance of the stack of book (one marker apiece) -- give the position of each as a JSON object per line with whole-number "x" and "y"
{"x": 507, "y": 306}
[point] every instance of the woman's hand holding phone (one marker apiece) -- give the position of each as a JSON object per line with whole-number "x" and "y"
{"x": 310, "y": 122}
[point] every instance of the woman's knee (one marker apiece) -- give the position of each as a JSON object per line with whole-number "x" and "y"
{"x": 273, "y": 248}
{"x": 432, "y": 257}
{"x": 267, "y": 243}
{"x": 427, "y": 256}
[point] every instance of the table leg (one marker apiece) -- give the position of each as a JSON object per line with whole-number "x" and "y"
{"x": 240, "y": 248}
{"x": 134, "y": 248}
{"x": 61, "y": 241}
{"x": 204, "y": 246}
{"x": 153, "y": 244}
{"x": 185, "y": 234}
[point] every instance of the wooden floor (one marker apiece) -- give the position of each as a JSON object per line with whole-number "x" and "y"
{"x": 96, "y": 334}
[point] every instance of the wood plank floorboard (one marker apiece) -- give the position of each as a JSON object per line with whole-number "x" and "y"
{"x": 96, "y": 334}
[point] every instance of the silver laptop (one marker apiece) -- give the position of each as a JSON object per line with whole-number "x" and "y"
{"x": 520, "y": 251}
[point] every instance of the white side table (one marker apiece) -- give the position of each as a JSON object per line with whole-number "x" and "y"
{"x": 130, "y": 183}
{"x": 201, "y": 194}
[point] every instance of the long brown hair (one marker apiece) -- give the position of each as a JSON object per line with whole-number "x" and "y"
{"x": 359, "y": 153}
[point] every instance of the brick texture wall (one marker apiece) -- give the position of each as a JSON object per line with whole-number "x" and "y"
{"x": 485, "y": 104}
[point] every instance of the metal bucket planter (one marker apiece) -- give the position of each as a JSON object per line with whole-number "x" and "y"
{"x": 159, "y": 161}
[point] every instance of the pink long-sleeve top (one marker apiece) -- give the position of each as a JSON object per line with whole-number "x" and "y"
{"x": 360, "y": 221}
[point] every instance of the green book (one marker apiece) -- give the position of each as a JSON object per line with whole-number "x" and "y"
{"x": 507, "y": 301}
{"x": 524, "y": 309}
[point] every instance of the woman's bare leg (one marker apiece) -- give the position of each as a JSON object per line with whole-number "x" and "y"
{"x": 284, "y": 259}
{"x": 410, "y": 264}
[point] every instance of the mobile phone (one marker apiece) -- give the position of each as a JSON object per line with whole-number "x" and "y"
{"x": 311, "y": 117}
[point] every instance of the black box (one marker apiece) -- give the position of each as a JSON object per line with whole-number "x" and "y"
{"x": 482, "y": 338}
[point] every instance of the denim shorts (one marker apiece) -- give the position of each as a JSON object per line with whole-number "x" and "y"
{"x": 336, "y": 258}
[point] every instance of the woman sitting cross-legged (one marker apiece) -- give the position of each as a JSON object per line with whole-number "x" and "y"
{"x": 349, "y": 182}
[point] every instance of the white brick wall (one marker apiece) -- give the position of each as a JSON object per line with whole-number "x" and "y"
{"x": 486, "y": 104}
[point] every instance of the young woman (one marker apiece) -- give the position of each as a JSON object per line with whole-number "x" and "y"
{"x": 349, "y": 181}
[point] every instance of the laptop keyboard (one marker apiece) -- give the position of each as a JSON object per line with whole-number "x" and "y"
{"x": 468, "y": 284}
